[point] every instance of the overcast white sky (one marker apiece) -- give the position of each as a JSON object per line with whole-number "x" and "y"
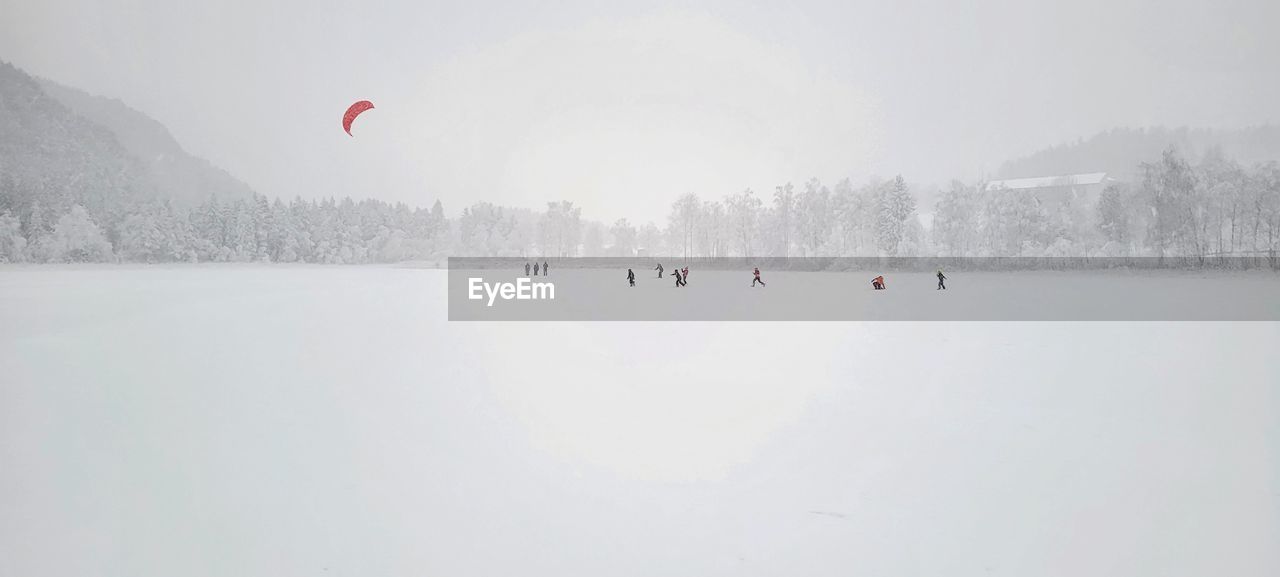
{"x": 621, "y": 108}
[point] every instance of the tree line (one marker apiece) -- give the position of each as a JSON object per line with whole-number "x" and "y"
{"x": 1175, "y": 208}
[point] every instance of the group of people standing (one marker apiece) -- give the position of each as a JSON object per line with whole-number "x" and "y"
{"x": 546, "y": 268}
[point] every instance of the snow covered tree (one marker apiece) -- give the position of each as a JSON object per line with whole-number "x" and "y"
{"x": 593, "y": 239}
{"x": 814, "y": 217}
{"x": 711, "y": 229}
{"x": 1172, "y": 189}
{"x": 743, "y": 213}
{"x": 894, "y": 205}
{"x": 782, "y": 223}
{"x": 13, "y": 247}
{"x": 955, "y": 220}
{"x": 854, "y": 216}
{"x": 681, "y": 223}
{"x": 481, "y": 229}
{"x": 649, "y": 239}
{"x": 1113, "y": 219}
{"x": 76, "y": 238}
{"x": 560, "y": 229}
{"x": 624, "y": 238}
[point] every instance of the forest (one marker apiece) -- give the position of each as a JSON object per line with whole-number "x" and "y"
{"x": 1175, "y": 206}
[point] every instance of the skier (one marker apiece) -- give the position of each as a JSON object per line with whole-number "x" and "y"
{"x": 942, "y": 285}
{"x": 535, "y": 269}
{"x": 546, "y": 269}
{"x": 526, "y": 269}
{"x": 679, "y": 278}
{"x": 878, "y": 283}
{"x": 631, "y": 277}
{"x": 659, "y": 269}
{"x": 757, "y": 279}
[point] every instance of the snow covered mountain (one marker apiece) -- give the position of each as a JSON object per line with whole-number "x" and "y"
{"x": 1121, "y": 151}
{"x": 185, "y": 179}
{"x": 61, "y": 147}
{"x": 52, "y": 158}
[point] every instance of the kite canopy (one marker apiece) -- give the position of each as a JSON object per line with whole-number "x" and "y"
{"x": 352, "y": 112}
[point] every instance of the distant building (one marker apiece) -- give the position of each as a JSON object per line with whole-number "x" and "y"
{"x": 1066, "y": 189}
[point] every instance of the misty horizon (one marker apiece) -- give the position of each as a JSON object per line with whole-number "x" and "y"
{"x": 1010, "y": 168}
{"x": 512, "y": 107}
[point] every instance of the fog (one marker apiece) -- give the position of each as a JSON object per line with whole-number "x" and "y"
{"x": 621, "y": 108}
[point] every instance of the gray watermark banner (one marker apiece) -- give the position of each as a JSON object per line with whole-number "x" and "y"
{"x": 858, "y": 289}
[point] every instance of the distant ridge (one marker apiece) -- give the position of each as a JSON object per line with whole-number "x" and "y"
{"x": 1119, "y": 152}
{"x": 52, "y": 158}
{"x": 184, "y": 179}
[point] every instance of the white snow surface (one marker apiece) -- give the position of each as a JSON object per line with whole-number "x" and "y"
{"x": 284, "y": 421}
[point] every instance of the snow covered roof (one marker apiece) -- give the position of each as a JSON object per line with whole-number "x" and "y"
{"x": 1048, "y": 181}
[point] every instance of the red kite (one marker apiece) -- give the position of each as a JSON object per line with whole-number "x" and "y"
{"x": 352, "y": 113}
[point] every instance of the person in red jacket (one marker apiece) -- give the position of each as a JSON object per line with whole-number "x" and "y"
{"x": 757, "y": 279}
{"x": 878, "y": 283}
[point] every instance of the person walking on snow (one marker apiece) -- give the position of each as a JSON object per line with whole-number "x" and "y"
{"x": 659, "y": 269}
{"x": 757, "y": 278}
{"x": 679, "y": 278}
{"x": 526, "y": 269}
{"x": 631, "y": 277}
{"x": 535, "y": 269}
{"x": 546, "y": 269}
{"x": 685, "y": 272}
{"x": 942, "y": 285}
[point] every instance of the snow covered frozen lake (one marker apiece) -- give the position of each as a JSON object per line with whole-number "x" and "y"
{"x": 260, "y": 420}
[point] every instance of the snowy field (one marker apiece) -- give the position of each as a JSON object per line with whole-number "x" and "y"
{"x": 303, "y": 421}
{"x": 713, "y": 295}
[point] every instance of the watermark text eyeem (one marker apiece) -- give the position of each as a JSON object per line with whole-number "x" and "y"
{"x": 523, "y": 289}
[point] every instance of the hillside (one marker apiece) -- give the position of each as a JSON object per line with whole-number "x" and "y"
{"x": 1120, "y": 151}
{"x": 180, "y": 177}
{"x": 52, "y": 158}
